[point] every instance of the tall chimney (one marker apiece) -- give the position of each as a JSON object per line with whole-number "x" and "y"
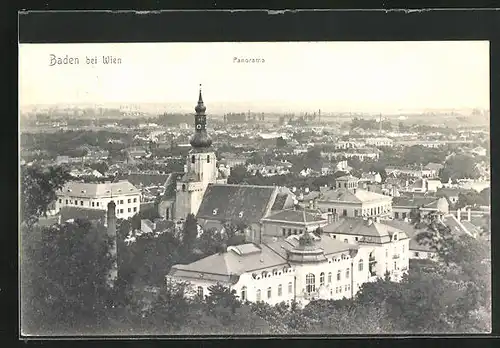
{"x": 111, "y": 231}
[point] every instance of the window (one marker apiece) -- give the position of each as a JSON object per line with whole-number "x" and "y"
{"x": 289, "y": 231}
{"x": 269, "y": 292}
{"x": 258, "y": 295}
{"x": 346, "y": 288}
{"x": 395, "y": 236}
{"x": 395, "y": 265}
{"x": 344, "y": 212}
{"x": 135, "y": 200}
{"x": 310, "y": 283}
{"x": 280, "y": 290}
{"x": 334, "y": 236}
{"x": 355, "y": 212}
{"x": 129, "y": 210}
{"x": 340, "y": 289}
{"x": 283, "y": 230}
{"x": 244, "y": 293}
{"x": 346, "y": 241}
{"x": 121, "y": 211}
{"x": 135, "y": 209}
{"x": 338, "y": 275}
{"x": 322, "y": 279}
{"x": 404, "y": 215}
{"x": 290, "y": 288}
{"x": 93, "y": 203}
{"x": 129, "y": 200}
{"x": 208, "y": 158}
{"x": 347, "y": 271}
{"x": 396, "y": 215}
{"x": 199, "y": 291}
{"x": 97, "y": 204}
{"x": 66, "y": 201}
{"x": 121, "y": 201}
{"x": 183, "y": 187}
{"x": 81, "y": 202}
{"x": 60, "y": 200}
{"x": 360, "y": 265}
{"x": 294, "y": 231}
{"x": 329, "y": 277}
{"x": 193, "y": 159}
{"x": 356, "y": 239}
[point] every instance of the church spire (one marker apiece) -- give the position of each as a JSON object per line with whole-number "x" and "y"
{"x": 200, "y": 138}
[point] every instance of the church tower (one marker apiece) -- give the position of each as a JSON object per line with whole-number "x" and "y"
{"x": 201, "y": 167}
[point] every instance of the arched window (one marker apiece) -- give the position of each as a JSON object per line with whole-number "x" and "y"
{"x": 193, "y": 158}
{"x": 338, "y": 275}
{"x": 360, "y": 265}
{"x": 310, "y": 283}
{"x": 322, "y": 279}
{"x": 269, "y": 292}
{"x": 183, "y": 187}
{"x": 346, "y": 241}
{"x": 290, "y": 288}
{"x": 329, "y": 277}
{"x": 244, "y": 293}
{"x": 208, "y": 158}
{"x": 258, "y": 295}
{"x": 347, "y": 273}
{"x": 280, "y": 290}
{"x": 199, "y": 291}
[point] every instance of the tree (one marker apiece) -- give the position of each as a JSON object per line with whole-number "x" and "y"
{"x": 312, "y": 158}
{"x": 280, "y": 142}
{"x": 189, "y": 235}
{"x": 486, "y": 196}
{"x": 38, "y": 190}
{"x": 222, "y": 302}
{"x": 64, "y": 279}
{"x": 462, "y": 166}
{"x": 238, "y": 174}
{"x": 101, "y": 167}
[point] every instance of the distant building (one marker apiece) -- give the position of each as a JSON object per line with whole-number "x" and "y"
{"x": 386, "y": 142}
{"x": 96, "y": 196}
{"x": 348, "y": 200}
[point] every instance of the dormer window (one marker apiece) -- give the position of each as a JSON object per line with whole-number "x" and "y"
{"x": 193, "y": 158}
{"x": 208, "y": 158}
{"x": 395, "y": 236}
{"x": 240, "y": 214}
{"x": 83, "y": 191}
{"x": 215, "y": 211}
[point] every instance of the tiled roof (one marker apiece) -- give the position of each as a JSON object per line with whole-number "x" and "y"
{"x": 359, "y": 227}
{"x": 69, "y": 213}
{"x": 224, "y": 202}
{"x": 294, "y": 216}
{"x": 415, "y": 202}
{"x": 311, "y": 196}
{"x": 411, "y": 232}
{"x": 327, "y": 244}
{"x": 91, "y": 190}
{"x": 348, "y": 196}
{"x": 455, "y": 226}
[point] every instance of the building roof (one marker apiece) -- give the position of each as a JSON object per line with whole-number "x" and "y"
{"x": 140, "y": 179}
{"x": 412, "y": 202}
{"x": 456, "y": 226}
{"x": 381, "y": 231}
{"x": 292, "y": 215}
{"x": 224, "y": 202}
{"x": 411, "y": 232}
{"x": 433, "y": 166}
{"x": 279, "y": 202}
{"x": 351, "y": 196}
{"x": 73, "y": 213}
{"x": 229, "y": 265}
{"x": 327, "y": 244}
{"x": 92, "y": 190}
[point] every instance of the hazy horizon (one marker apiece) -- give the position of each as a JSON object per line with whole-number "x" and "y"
{"x": 366, "y": 77}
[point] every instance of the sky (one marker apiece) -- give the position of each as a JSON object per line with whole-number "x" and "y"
{"x": 331, "y": 76}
